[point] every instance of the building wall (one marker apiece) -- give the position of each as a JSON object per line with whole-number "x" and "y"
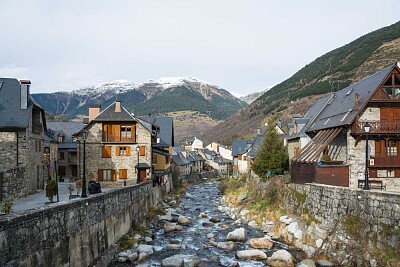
{"x": 94, "y": 160}
{"x": 163, "y": 163}
{"x": 337, "y": 149}
{"x": 69, "y": 162}
{"x": 356, "y": 155}
{"x": 292, "y": 144}
{"x": 25, "y": 147}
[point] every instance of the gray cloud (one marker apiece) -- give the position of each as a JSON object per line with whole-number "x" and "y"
{"x": 243, "y": 46}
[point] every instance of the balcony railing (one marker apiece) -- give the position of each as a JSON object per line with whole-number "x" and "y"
{"x": 377, "y": 127}
{"x": 389, "y": 161}
{"x": 117, "y": 138}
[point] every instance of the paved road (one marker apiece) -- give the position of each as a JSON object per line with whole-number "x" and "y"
{"x": 39, "y": 200}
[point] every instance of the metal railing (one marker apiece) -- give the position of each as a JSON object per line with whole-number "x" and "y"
{"x": 117, "y": 138}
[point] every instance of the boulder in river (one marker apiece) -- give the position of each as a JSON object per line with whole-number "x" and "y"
{"x": 262, "y": 242}
{"x": 251, "y": 254}
{"x": 171, "y": 227}
{"x": 174, "y": 261}
{"x": 281, "y": 258}
{"x": 203, "y": 215}
{"x": 183, "y": 220}
{"x": 237, "y": 235}
{"x": 324, "y": 263}
{"x": 230, "y": 245}
{"x": 306, "y": 263}
{"x": 207, "y": 224}
{"x": 215, "y": 219}
{"x": 175, "y": 247}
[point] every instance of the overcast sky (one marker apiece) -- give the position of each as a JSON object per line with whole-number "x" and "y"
{"x": 242, "y": 46}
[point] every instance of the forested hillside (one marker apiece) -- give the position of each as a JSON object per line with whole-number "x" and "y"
{"x": 332, "y": 71}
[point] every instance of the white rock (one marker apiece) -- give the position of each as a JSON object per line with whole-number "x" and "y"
{"x": 121, "y": 259}
{"x": 237, "y": 235}
{"x": 298, "y": 234}
{"x": 142, "y": 256}
{"x": 157, "y": 248}
{"x": 230, "y": 245}
{"x": 133, "y": 257}
{"x": 145, "y": 249}
{"x": 281, "y": 258}
{"x": 253, "y": 224}
{"x": 282, "y": 219}
{"x": 170, "y": 227}
{"x": 306, "y": 263}
{"x": 174, "y": 261}
{"x": 123, "y": 254}
{"x": 293, "y": 227}
{"x": 324, "y": 263}
{"x": 243, "y": 212}
{"x": 166, "y": 217}
{"x": 148, "y": 239}
{"x": 175, "y": 247}
{"x": 183, "y": 220}
{"x": 318, "y": 242}
{"x": 210, "y": 235}
{"x": 251, "y": 254}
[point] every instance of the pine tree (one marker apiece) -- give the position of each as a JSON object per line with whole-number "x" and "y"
{"x": 272, "y": 154}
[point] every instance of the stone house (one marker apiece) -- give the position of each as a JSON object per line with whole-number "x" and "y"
{"x": 22, "y": 125}
{"x": 180, "y": 162}
{"x": 297, "y": 138}
{"x": 337, "y": 131}
{"x": 162, "y": 148}
{"x": 50, "y": 155}
{"x": 118, "y": 146}
{"x": 67, "y": 157}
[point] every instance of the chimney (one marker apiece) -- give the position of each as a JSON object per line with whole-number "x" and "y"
{"x": 94, "y": 110}
{"x": 25, "y": 84}
{"x": 356, "y": 97}
{"x": 258, "y": 131}
{"x": 118, "y": 106}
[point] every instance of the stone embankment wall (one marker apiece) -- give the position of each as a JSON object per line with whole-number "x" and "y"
{"x": 12, "y": 183}
{"x": 374, "y": 215}
{"x": 76, "y": 233}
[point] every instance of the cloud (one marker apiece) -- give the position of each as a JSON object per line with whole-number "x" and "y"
{"x": 12, "y": 71}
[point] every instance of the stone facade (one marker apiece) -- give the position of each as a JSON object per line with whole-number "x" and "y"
{"x": 377, "y": 213}
{"x": 23, "y": 149}
{"x": 76, "y": 233}
{"x": 13, "y": 183}
{"x": 95, "y": 161}
{"x": 292, "y": 144}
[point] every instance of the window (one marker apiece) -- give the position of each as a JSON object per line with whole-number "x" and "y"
{"x": 123, "y": 173}
{"x": 123, "y": 151}
{"x": 142, "y": 151}
{"x": 391, "y": 148}
{"x": 126, "y": 132}
{"x": 106, "y": 175}
{"x": 392, "y": 86}
{"x": 296, "y": 150}
{"x": 106, "y": 151}
{"x": 61, "y": 156}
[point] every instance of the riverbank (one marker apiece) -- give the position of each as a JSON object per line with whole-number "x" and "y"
{"x": 322, "y": 221}
{"x": 195, "y": 232}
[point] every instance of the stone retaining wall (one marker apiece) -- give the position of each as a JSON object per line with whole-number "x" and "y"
{"x": 12, "y": 183}
{"x": 76, "y": 233}
{"x": 374, "y": 215}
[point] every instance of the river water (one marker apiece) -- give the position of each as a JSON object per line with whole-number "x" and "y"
{"x": 203, "y": 198}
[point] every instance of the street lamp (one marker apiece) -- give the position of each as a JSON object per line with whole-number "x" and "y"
{"x": 138, "y": 176}
{"x": 84, "y": 133}
{"x": 367, "y": 128}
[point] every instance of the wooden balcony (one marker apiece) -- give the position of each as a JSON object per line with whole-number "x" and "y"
{"x": 377, "y": 127}
{"x": 112, "y": 138}
{"x": 389, "y": 161}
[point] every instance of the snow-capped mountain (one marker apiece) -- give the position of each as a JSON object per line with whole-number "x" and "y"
{"x": 154, "y": 96}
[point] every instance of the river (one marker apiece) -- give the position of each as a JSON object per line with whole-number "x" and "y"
{"x": 196, "y": 243}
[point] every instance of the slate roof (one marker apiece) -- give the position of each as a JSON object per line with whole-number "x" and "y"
{"x": 310, "y": 116}
{"x": 180, "y": 161}
{"x": 67, "y": 128}
{"x": 11, "y": 114}
{"x": 256, "y": 144}
{"x": 194, "y": 155}
{"x": 341, "y": 109}
{"x": 166, "y": 133}
{"x": 221, "y": 160}
{"x": 109, "y": 114}
{"x": 240, "y": 146}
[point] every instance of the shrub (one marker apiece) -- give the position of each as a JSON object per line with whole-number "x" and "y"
{"x": 51, "y": 189}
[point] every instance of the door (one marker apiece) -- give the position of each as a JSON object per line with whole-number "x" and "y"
{"x": 142, "y": 175}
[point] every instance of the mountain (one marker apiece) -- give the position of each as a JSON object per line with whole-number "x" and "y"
{"x": 330, "y": 72}
{"x": 154, "y": 97}
{"x": 196, "y": 105}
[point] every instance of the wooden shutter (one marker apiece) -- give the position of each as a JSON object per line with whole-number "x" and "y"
{"x": 396, "y": 114}
{"x": 113, "y": 176}
{"x": 133, "y": 132}
{"x": 386, "y": 114}
{"x": 117, "y": 151}
{"x": 123, "y": 173}
{"x": 142, "y": 151}
{"x": 100, "y": 174}
{"x": 106, "y": 151}
{"x": 116, "y": 130}
{"x": 128, "y": 150}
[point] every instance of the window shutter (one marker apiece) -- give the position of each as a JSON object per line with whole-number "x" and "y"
{"x": 128, "y": 150}
{"x": 113, "y": 175}
{"x": 117, "y": 151}
{"x": 116, "y": 130}
{"x": 106, "y": 151}
{"x": 378, "y": 151}
{"x": 123, "y": 173}
{"x": 134, "y": 132}
{"x": 100, "y": 174}
{"x": 142, "y": 151}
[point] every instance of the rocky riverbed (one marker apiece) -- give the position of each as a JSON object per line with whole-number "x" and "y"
{"x": 199, "y": 232}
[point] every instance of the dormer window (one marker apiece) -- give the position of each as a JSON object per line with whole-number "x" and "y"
{"x": 392, "y": 86}
{"x": 60, "y": 138}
